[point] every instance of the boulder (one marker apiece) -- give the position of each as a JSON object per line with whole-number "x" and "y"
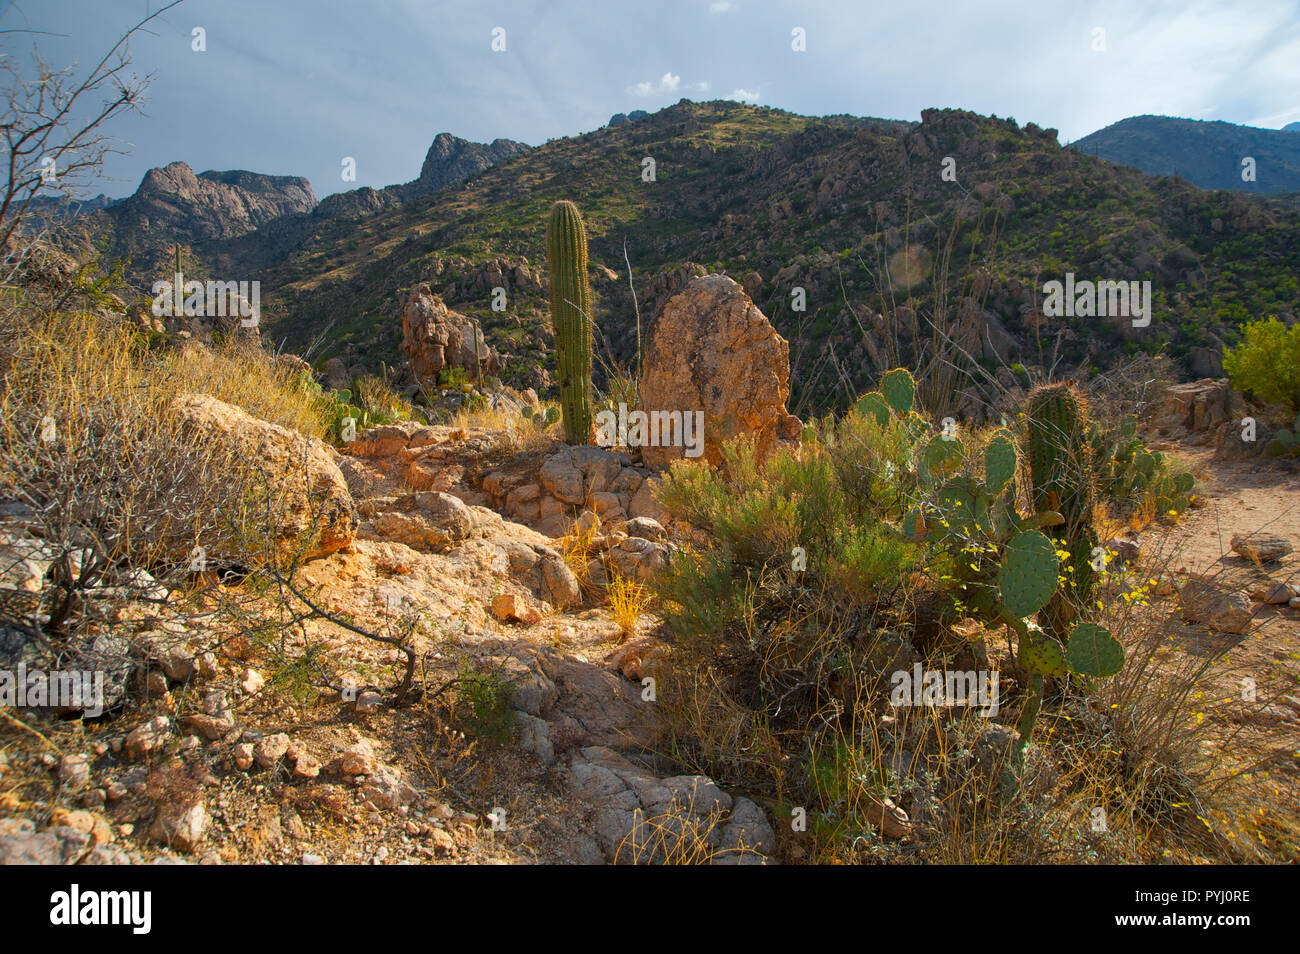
{"x": 435, "y": 338}
{"x": 437, "y": 524}
{"x": 712, "y": 351}
{"x": 1261, "y": 548}
{"x": 312, "y": 508}
{"x": 1276, "y": 593}
{"x": 1227, "y": 612}
{"x": 182, "y": 824}
{"x": 573, "y": 474}
{"x": 511, "y": 607}
{"x": 1197, "y": 405}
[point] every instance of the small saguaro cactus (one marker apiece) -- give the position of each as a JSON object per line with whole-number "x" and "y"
{"x": 570, "y": 318}
{"x": 1061, "y": 477}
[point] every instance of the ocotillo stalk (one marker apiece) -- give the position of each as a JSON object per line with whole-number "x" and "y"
{"x": 478, "y": 362}
{"x": 570, "y": 318}
{"x": 178, "y": 293}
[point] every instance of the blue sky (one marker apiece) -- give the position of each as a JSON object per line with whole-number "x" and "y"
{"x": 290, "y": 87}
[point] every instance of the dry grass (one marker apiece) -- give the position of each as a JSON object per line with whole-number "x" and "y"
{"x": 237, "y": 373}
{"x": 627, "y": 601}
{"x": 676, "y": 836}
{"x": 578, "y": 547}
{"x": 374, "y": 394}
{"x": 517, "y": 431}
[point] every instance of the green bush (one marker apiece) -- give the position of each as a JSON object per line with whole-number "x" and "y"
{"x": 1267, "y": 362}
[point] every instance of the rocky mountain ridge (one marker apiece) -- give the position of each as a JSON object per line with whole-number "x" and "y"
{"x": 1208, "y": 153}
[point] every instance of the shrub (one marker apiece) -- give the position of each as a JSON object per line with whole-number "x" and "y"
{"x": 1267, "y": 362}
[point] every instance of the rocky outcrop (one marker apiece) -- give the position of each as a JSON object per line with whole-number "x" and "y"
{"x": 451, "y": 160}
{"x": 1209, "y": 412}
{"x": 210, "y": 205}
{"x": 313, "y": 510}
{"x": 642, "y": 819}
{"x": 435, "y": 338}
{"x": 712, "y": 351}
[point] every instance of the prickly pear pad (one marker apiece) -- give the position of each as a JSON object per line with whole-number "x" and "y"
{"x": 1093, "y": 651}
{"x": 899, "y": 389}
{"x": 1042, "y": 654}
{"x": 1028, "y": 577}
{"x": 1000, "y": 461}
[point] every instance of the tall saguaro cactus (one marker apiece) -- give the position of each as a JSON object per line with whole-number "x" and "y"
{"x": 1060, "y": 464}
{"x": 570, "y": 318}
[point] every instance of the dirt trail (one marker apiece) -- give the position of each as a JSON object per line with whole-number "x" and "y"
{"x": 1242, "y": 498}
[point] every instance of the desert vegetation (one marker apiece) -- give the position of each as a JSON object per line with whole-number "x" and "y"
{"x": 879, "y": 563}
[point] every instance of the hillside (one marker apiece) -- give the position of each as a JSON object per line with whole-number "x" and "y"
{"x": 855, "y": 213}
{"x": 1207, "y": 154}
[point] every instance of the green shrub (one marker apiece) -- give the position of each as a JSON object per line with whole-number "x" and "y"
{"x": 1267, "y": 362}
{"x": 487, "y": 694}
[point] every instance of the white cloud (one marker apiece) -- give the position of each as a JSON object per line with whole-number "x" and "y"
{"x": 668, "y": 83}
{"x": 722, "y": 6}
{"x": 742, "y": 95}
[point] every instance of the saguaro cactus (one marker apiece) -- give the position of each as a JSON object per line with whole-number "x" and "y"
{"x": 1060, "y": 464}
{"x": 570, "y": 318}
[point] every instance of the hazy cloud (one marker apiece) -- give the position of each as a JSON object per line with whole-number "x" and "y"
{"x": 668, "y": 83}
{"x": 290, "y": 88}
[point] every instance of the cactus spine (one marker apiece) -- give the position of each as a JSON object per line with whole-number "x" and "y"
{"x": 1060, "y": 464}
{"x": 570, "y": 318}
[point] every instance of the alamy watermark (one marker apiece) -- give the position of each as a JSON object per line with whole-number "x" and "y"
{"x": 172, "y": 299}
{"x": 946, "y": 688}
{"x": 1098, "y": 299}
{"x": 651, "y": 429}
{"x": 58, "y": 688}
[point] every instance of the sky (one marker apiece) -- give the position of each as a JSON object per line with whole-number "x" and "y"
{"x": 293, "y": 87}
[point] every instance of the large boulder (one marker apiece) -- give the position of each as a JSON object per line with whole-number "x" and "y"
{"x": 313, "y": 512}
{"x": 436, "y": 338}
{"x": 711, "y": 350}
{"x": 1198, "y": 406}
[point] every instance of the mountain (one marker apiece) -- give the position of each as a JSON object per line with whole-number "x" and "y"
{"x": 857, "y": 214}
{"x": 1291, "y": 127}
{"x": 1206, "y": 153}
{"x": 59, "y": 207}
{"x": 234, "y": 222}
{"x": 210, "y": 205}
{"x": 174, "y": 205}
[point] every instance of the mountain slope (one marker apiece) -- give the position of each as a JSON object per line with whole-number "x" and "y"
{"x": 859, "y": 216}
{"x": 1207, "y": 154}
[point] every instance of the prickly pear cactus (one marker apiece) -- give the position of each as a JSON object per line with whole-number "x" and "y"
{"x": 1093, "y": 651}
{"x": 899, "y": 389}
{"x": 1000, "y": 461}
{"x": 1060, "y": 463}
{"x": 1286, "y": 442}
{"x": 1008, "y": 570}
{"x": 1042, "y": 655}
